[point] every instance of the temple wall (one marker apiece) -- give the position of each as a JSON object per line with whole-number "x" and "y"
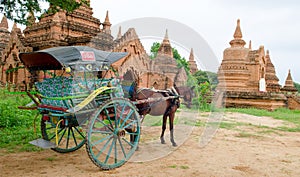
{"x": 254, "y": 100}
{"x": 293, "y": 102}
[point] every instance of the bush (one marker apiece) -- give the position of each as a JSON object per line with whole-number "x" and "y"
{"x": 10, "y": 115}
{"x": 204, "y": 96}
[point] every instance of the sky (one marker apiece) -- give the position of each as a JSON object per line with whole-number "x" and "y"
{"x": 275, "y": 24}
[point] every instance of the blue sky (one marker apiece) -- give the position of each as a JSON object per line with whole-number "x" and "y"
{"x": 272, "y": 23}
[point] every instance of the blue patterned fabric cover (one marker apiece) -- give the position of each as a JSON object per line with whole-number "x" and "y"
{"x": 68, "y": 86}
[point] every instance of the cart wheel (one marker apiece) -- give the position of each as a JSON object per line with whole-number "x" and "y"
{"x": 113, "y": 133}
{"x": 70, "y": 137}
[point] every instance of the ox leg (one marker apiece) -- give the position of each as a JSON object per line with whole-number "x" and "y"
{"x": 171, "y": 121}
{"x": 162, "y": 139}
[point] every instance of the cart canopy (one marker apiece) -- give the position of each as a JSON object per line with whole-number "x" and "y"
{"x": 79, "y": 58}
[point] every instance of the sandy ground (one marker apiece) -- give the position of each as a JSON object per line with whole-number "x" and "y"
{"x": 251, "y": 148}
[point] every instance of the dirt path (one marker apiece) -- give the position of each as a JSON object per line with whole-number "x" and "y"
{"x": 250, "y": 148}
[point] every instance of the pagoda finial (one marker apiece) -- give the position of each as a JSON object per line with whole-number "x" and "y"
{"x": 289, "y": 84}
{"x": 4, "y": 23}
{"x": 192, "y": 58}
{"x": 166, "y": 35}
{"x": 238, "y": 31}
{"x": 15, "y": 26}
{"x": 119, "y": 33}
{"x": 272, "y": 84}
{"x": 107, "y": 19}
{"x": 192, "y": 62}
{"x": 237, "y": 41}
{"x": 250, "y": 45}
{"x": 106, "y": 24}
{"x": 289, "y": 77}
{"x": 166, "y": 38}
{"x": 268, "y": 53}
{"x": 165, "y": 47}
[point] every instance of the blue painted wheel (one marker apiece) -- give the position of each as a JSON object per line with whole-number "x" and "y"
{"x": 113, "y": 133}
{"x": 70, "y": 138}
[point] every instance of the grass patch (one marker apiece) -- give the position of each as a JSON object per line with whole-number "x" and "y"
{"x": 291, "y": 116}
{"x": 284, "y": 114}
{"x": 268, "y": 131}
{"x": 289, "y": 129}
{"x": 247, "y": 135}
{"x": 180, "y": 118}
{"x": 50, "y": 159}
{"x": 172, "y": 166}
{"x": 184, "y": 167}
{"x": 225, "y": 125}
{"x": 181, "y": 166}
{"x": 16, "y": 126}
{"x": 16, "y": 139}
{"x": 152, "y": 120}
{"x": 229, "y": 125}
{"x": 200, "y": 123}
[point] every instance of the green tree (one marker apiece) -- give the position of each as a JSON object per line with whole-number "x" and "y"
{"x": 297, "y": 85}
{"x": 181, "y": 61}
{"x": 154, "y": 49}
{"x": 17, "y": 10}
{"x": 201, "y": 77}
{"x": 206, "y": 76}
{"x": 204, "y": 96}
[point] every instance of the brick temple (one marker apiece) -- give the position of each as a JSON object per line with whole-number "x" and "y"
{"x": 81, "y": 28}
{"x": 247, "y": 78}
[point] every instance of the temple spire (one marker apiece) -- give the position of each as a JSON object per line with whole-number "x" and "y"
{"x": 238, "y": 31}
{"x": 289, "y": 84}
{"x": 165, "y": 47}
{"x": 119, "y": 33}
{"x": 289, "y": 81}
{"x": 15, "y": 26}
{"x": 191, "y": 58}
{"x": 270, "y": 74}
{"x": 106, "y": 24}
{"x": 250, "y": 45}
{"x": 166, "y": 35}
{"x": 4, "y": 23}
{"x": 166, "y": 38}
{"x": 192, "y": 62}
{"x": 237, "y": 41}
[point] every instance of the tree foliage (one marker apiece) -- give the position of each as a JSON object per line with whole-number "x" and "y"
{"x": 206, "y": 76}
{"x": 205, "y": 82}
{"x": 154, "y": 49}
{"x": 18, "y": 10}
{"x": 181, "y": 61}
{"x": 204, "y": 96}
{"x": 297, "y": 85}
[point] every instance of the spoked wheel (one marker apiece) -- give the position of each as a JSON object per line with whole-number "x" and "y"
{"x": 70, "y": 137}
{"x": 113, "y": 133}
